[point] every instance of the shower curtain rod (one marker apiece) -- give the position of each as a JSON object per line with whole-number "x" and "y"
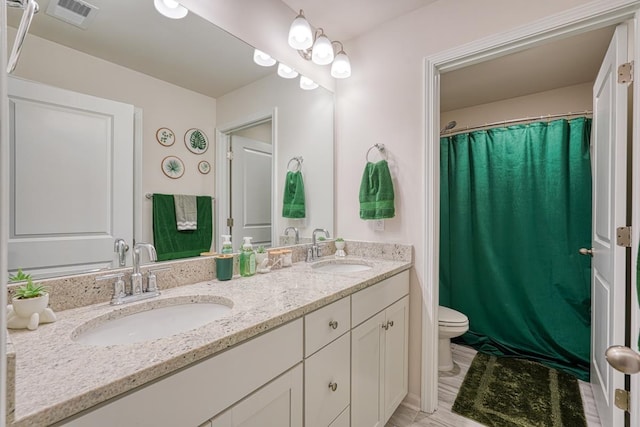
{"x": 515, "y": 121}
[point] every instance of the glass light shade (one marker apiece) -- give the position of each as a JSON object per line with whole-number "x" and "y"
{"x": 300, "y": 35}
{"x": 263, "y": 59}
{"x": 341, "y": 67}
{"x": 286, "y": 72}
{"x": 170, "y": 8}
{"x": 322, "y": 53}
{"x": 307, "y": 84}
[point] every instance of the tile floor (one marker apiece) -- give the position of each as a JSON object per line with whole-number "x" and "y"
{"x": 448, "y": 385}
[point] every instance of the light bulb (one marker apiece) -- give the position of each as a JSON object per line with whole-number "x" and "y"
{"x": 263, "y": 59}
{"x": 322, "y": 53}
{"x": 170, "y": 8}
{"x": 307, "y": 84}
{"x": 300, "y": 35}
{"x": 286, "y": 72}
{"x": 341, "y": 67}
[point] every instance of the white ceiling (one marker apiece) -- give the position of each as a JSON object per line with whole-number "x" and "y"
{"x": 195, "y": 54}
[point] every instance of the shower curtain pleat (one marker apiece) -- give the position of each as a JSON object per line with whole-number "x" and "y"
{"x": 515, "y": 209}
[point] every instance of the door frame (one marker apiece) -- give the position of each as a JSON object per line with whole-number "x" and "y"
{"x": 222, "y": 168}
{"x": 592, "y": 16}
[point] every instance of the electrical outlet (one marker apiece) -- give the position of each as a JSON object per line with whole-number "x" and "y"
{"x": 378, "y": 225}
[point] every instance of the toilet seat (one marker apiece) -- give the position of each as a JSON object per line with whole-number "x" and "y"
{"x": 450, "y": 317}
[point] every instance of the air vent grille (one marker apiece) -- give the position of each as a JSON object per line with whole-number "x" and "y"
{"x": 74, "y": 12}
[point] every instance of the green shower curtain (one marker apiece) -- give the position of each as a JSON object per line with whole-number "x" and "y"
{"x": 515, "y": 208}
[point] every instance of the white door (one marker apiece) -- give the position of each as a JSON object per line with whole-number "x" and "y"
{"x": 608, "y": 304}
{"x": 71, "y": 179}
{"x": 251, "y": 190}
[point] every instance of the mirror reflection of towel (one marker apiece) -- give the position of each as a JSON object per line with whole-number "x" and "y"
{"x": 376, "y": 192}
{"x": 186, "y": 212}
{"x": 293, "y": 199}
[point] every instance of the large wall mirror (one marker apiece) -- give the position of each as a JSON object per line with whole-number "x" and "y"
{"x": 170, "y": 74}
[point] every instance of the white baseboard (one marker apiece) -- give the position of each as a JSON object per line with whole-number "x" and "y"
{"x": 411, "y": 401}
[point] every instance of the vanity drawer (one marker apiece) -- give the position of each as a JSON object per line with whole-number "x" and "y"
{"x": 327, "y": 386}
{"x": 376, "y": 298}
{"x": 325, "y": 325}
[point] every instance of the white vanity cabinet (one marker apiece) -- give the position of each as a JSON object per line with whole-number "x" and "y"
{"x": 327, "y": 363}
{"x": 201, "y": 391}
{"x": 379, "y": 351}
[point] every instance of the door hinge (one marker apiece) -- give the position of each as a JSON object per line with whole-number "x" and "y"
{"x": 229, "y": 155}
{"x": 623, "y": 236}
{"x": 625, "y": 73}
{"x": 229, "y": 222}
{"x": 622, "y": 399}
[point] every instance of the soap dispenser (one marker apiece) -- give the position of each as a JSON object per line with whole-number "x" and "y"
{"x": 227, "y": 248}
{"x": 247, "y": 259}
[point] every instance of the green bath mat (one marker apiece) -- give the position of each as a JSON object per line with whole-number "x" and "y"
{"x": 509, "y": 392}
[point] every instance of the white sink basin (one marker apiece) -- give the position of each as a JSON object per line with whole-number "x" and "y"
{"x": 152, "y": 323}
{"x": 341, "y": 266}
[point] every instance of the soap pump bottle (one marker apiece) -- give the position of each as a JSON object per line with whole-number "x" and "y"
{"x": 227, "y": 248}
{"x": 247, "y": 259}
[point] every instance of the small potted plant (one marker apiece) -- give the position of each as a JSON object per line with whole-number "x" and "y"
{"x": 30, "y": 297}
{"x": 339, "y": 243}
{"x": 261, "y": 255}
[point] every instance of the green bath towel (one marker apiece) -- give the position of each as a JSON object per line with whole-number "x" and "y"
{"x": 376, "y": 192}
{"x": 173, "y": 244}
{"x": 293, "y": 204}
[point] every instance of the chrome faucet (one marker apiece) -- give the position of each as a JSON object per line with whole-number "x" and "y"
{"x": 295, "y": 230}
{"x": 136, "y": 277}
{"x": 120, "y": 247}
{"x": 315, "y": 249}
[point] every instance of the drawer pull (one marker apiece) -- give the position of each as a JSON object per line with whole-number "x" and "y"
{"x": 387, "y": 325}
{"x": 333, "y": 386}
{"x": 390, "y": 323}
{"x": 333, "y": 324}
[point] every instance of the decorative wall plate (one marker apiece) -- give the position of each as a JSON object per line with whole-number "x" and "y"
{"x": 165, "y": 136}
{"x": 172, "y": 167}
{"x": 204, "y": 167}
{"x": 196, "y": 141}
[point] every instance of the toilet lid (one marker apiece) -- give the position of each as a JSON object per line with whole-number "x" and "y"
{"x": 450, "y": 316}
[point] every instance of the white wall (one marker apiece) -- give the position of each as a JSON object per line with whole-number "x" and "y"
{"x": 576, "y": 98}
{"x": 303, "y": 127}
{"x": 163, "y": 104}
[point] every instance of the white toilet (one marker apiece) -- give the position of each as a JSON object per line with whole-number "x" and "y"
{"x": 451, "y": 324}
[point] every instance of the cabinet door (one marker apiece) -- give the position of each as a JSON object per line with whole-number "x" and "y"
{"x": 327, "y": 383}
{"x": 366, "y": 373}
{"x": 342, "y": 420}
{"x": 278, "y": 404}
{"x": 396, "y": 347}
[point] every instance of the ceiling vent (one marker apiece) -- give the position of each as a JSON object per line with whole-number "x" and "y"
{"x": 74, "y": 12}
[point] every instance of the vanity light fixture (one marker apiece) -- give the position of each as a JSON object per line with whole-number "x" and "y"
{"x": 263, "y": 59}
{"x": 307, "y": 84}
{"x": 322, "y": 51}
{"x": 170, "y": 8}
{"x": 300, "y": 35}
{"x": 341, "y": 66}
{"x": 286, "y": 72}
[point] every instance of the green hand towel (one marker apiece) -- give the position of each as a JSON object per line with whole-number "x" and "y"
{"x": 293, "y": 204}
{"x": 173, "y": 244}
{"x": 376, "y": 192}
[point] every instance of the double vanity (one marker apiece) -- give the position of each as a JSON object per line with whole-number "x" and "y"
{"x": 315, "y": 344}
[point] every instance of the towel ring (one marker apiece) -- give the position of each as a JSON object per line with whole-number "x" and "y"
{"x": 381, "y": 149}
{"x": 298, "y": 161}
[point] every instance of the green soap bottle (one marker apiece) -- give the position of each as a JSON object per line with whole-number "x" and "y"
{"x": 247, "y": 259}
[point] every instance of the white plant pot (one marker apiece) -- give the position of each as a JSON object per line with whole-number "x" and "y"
{"x": 26, "y": 307}
{"x": 261, "y": 257}
{"x": 339, "y": 245}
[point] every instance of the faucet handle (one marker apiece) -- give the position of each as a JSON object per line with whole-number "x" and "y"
{"x": 152, "y": 281}
{"x": 118, "y": 287}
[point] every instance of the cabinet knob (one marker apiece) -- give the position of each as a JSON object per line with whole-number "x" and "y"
{"x": 333, "y": 324}
{"x": 333, "y": 386}
{"x": 390, "y": 323}
{"x": 387, "y": 325}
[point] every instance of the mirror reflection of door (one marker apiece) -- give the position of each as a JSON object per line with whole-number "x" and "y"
{"x": 250, "y": 180}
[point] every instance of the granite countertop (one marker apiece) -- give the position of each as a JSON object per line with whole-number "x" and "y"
{"x": 57, "y": 377}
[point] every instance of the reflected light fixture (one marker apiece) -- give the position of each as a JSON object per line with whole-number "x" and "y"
{"x": 307, "y": 84}
{"x": 170, "y": 8}
{"x": 263, "y": 59}
{"x": 300, "y": 35}
{"x": 286, "y": 72}
{"x": 322, "y": 51}
{"x": 341, "y": 66}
